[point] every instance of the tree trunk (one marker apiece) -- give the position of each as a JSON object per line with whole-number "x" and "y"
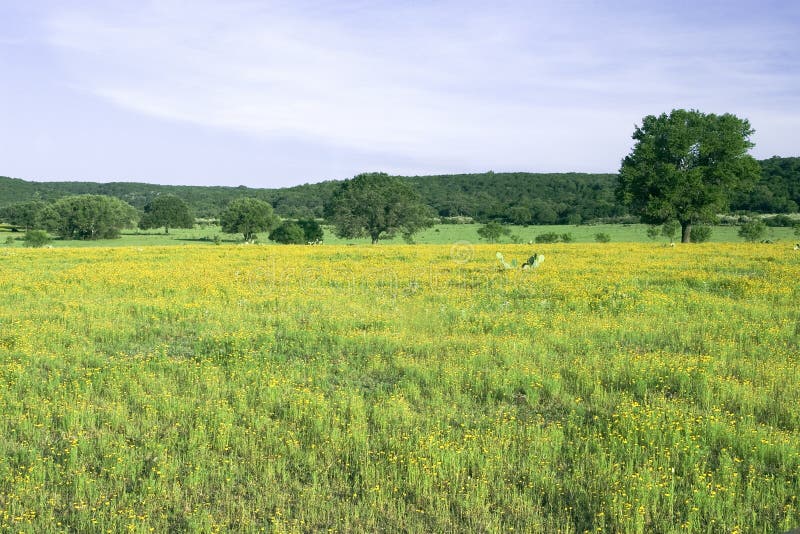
{"x": 374, "y": 240}
{"x": 166, "y": 229}
{"x": 686, "y": 232}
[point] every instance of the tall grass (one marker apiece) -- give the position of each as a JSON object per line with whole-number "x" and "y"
{"x": 617, "y": 388}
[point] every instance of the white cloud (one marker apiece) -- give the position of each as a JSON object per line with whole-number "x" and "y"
{"x": 515, "y": 86}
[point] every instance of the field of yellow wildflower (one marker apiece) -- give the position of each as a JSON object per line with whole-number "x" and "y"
{"x": 616, "y": 388}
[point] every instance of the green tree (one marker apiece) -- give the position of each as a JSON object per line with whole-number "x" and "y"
{"x": 493, "y": 231}
{"x": 378, "y": 206}
{"x": 753, "y": 230}
{"x": 312, "y": 230}
{"x": 28, "y": 215}
{"x": 248, "y": 216}
{"x": 93, "y": 216}
{"x": 670, "y": 229}
{"x": 288, "y": 233}
{"x": 168, "y": 211}
{"x": 685, "y": 166}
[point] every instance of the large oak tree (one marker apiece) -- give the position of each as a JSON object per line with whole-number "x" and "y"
{"x": 168, "y": 211}
{"x": 376, "y": 205}
{"x": 684, "y": 166}
{"x": 248, "y": 216}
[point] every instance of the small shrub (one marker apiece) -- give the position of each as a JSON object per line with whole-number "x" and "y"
{"x": 753, "y": 230}
{"x": 653, "y": 231}
{"x": 493, "y": 231}
{"x": 567, "y": 237}
{"x": 36, "y": 238}
{"x": 602, "y": 237}
{"x": 701, "y": 233}
{"x": 9, "y": 240}
{"x": 547, "y": 237}
{"x": 670, "y": 229}
{"x": 780, "y": 221}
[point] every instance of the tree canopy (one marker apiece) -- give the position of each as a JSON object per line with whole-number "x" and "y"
{"x": 167, "y": 211}
{"x": 92, "y": 217}
{"x": 378, "y": 206}
{"x": 288, "y": 233}
{"x": 248, "y": 216}
{"x": 685, "y": 166}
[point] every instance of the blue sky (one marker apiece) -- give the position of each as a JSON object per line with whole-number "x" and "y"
{"x": 269, "y": 94}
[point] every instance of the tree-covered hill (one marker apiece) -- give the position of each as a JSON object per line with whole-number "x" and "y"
{"x": 521, "y": 198}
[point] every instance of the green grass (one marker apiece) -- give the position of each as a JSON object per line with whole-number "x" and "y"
{"x": 617, "y": 388}
{"x": 439, "y": 235}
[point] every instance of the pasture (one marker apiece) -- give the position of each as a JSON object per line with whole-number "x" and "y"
{"x": 440, "y": 234}
{"x": 617, "y": 388}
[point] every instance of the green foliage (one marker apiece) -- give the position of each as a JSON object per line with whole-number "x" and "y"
{"x": 778, "y": 191}
{"x": 493, "y": 231}
{"x": 753, "y": 230}
{"x": 378, "y": 206}
{"x": 685, "y": 166}
{"x": 9, "y": 240}
{"x": 168, "y": 211}
{"x": 92, "y": 217}
{"x": 288, "y": 233}
{"x": 797, "y": 230}
{"x": 602, "y": 237}
{"x": 29, "y": 215}
{"x": 547, "y": 237}
{"x": 522, "y": 198}
{"x": 653, "y": 231}
{"x": 248, "y": 216}
{"x": 782, "y": 221}
{"x": 670, "y": 229}
{"x": 312, "y": 229}
{"x": 567, "y": 237}
{"x": 701, "y": 233}
{"x": 36, "y": 238}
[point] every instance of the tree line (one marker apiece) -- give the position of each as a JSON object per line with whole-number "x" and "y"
{"x": 517, "y": 198}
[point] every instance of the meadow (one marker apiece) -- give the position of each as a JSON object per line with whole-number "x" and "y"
{"x": 620, "y": 387}
{"x": 440, "y": 234}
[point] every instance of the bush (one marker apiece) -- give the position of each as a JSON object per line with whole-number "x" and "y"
{"x": 701, "y": 233}
{"x": 653, "y": 231}
{"x": 567, "y": 238}
{"x": 547, "y": 237}
{"x": 670, "y": 229}
{"x": 9, "y": 240}
{"x": 288, "y": 233}
{"x": 780, "y": 221}
{"x": 602, "y": 237}
{"x": 312, "y": 230}
{"x": 752, "y": 231}
{"x": 36, "y": 238}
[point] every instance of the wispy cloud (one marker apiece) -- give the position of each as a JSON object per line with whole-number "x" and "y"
{"x": 463, "y": 85}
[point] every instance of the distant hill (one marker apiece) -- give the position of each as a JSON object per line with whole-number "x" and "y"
{"x": 515, "y": 197}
